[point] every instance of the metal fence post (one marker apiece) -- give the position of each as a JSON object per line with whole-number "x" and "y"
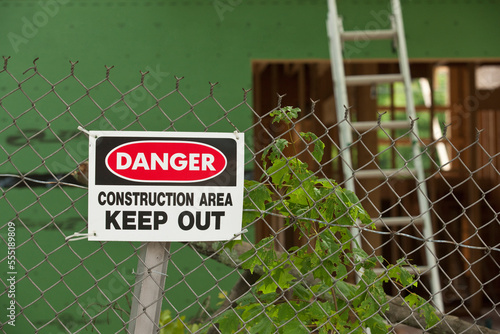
{"x": 149, "y": 287}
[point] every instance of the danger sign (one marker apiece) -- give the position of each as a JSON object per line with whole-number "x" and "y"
{"x": 165, "y": 186}
{"x": 160, "y": 161}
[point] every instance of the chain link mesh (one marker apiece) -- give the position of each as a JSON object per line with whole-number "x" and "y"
{"x": 62, "y": 286}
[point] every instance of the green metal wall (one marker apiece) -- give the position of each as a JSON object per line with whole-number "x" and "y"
{"x": 206, "y": 41}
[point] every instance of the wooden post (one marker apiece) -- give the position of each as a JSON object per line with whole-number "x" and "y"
{"x": 473, "y": 212}
{"x": 149, "y": 287}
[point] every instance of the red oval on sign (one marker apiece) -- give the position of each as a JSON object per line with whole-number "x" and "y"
{"x": 166, "y": 161}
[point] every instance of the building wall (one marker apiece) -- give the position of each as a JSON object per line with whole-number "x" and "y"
{"x": 216, "y": 40}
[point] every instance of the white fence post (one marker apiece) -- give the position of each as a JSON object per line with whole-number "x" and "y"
{"x": 149, "y": 286}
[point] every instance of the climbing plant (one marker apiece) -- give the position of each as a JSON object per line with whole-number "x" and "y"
{"x": 306, "y": 289}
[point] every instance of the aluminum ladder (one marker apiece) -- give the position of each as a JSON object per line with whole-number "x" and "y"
{"x": 337, "y": 36}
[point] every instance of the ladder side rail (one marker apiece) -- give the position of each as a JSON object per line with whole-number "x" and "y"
{"x": 430, "y": 249}
{"x": 340, "y": 90}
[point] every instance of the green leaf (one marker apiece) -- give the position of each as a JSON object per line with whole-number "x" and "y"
{"x": 326, "y": 211}
{"x": 301, "y": 292}
{"x": 250, "y": 261}
{"x": 413, "y": 300}
{"x": 346, "y": 290}
{"x": 318, "y": 311}
{"x": 302, "y": 262}
{"x": 329, "y": 242}
{"x": 278, "y": 147}
{"x": 275, "y": 151}
{"x": 319, "y": 146}
{"x": 324, "y": 275}
{"x": 267, "y": 285}
{"x": 284, "y": 312}
{"x": 261, "y": 325}
{"x": 377, "y": 325}
{"x": 299, "y": 196}
{"x": 294, "y": 327}
{"x": 324, "y": 330}
{"x": 247, "y": 299}
{"x": 251, "y": 311}
{"x": 341, "y": 206}
{"x": 169, "y": 325}
{"x": 326, "y": 183}
{"x": 286, "y": 114}
{"x": 368, "y": 307}
{"x": 268, "y": 298}
{"x": 229, "y": 322}
{"x": 302, "y": 176}
{"x": 165, "y": 316}
{"x": 341, "y": 271}
{"x": 263, "y": 252}
{"x": 285, "y": 279}
{"x": 352, "y": 198}
{"x": 279, "y": 171}
{"x": 430, "y": 315}
{"x": 257, "y": 195}
{"x": 355, "y": 202}
{"x": 400, "y": 274}
{"x": 360, "y": 254}
{"x": 429, "y": 312}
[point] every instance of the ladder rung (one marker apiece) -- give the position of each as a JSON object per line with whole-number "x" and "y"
{"x": 413, "y": 270}
{"x": 384, "y": 173}
{"x": 389, "y": 125}
{"x": 398, "y": 221}
{"x": 367, "y": 34}
{"x": 368, "y": 79}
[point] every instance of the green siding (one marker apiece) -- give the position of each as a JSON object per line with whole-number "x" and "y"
{"x": 203, "y": 41}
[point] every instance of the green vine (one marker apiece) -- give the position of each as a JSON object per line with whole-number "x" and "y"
{"x": 323, "y": 213}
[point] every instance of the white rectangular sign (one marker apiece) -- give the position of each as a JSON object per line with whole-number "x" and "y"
{"x": 165, "y": 186}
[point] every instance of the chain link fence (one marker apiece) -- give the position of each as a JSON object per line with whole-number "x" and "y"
{"x": 52, "y": 284}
